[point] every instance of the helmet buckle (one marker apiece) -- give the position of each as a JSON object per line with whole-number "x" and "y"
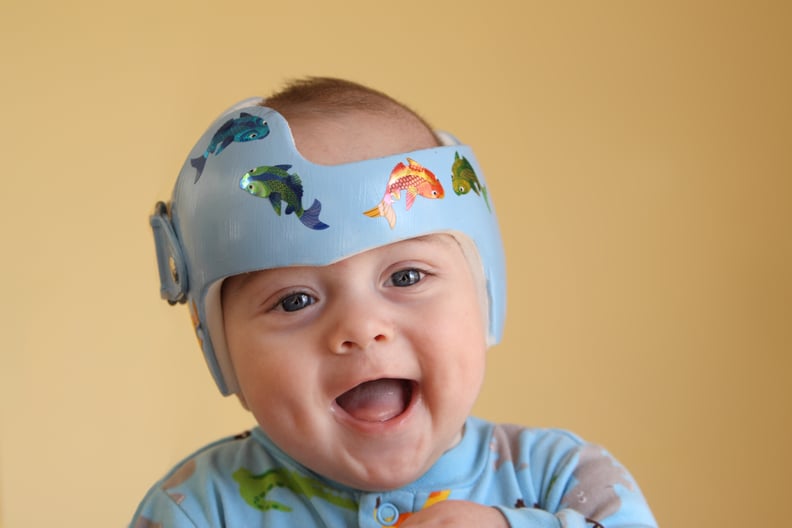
{"x": 170, "y": 260}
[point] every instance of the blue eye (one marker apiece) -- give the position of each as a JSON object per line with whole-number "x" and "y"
{"x": 295, "y": 301}
{"x": 406, "y": 277}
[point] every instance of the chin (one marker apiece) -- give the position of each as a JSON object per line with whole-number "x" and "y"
{"x": 387, "y": 482}
{"x": 378, "y": 471}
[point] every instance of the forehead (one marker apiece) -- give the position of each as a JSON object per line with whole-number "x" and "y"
{"x": 333, "y": 139}
{"x": 430, "y": 247}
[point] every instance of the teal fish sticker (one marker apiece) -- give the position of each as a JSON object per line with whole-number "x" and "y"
{"x": 276, "y": 184}
{"x": 241, "y": 129}
{"x": 464, "y": 179}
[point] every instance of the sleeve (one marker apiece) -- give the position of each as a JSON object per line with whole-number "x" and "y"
{"x": 160, "y": 510}
{"x": 202, "y": 490}
{"x": 576, "y": 485}
{"x": 165, "y": 505}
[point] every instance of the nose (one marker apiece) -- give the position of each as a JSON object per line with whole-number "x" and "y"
{"x": 359, "y": 323}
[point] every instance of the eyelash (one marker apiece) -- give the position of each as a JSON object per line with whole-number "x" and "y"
{"x": 297, "y": 301}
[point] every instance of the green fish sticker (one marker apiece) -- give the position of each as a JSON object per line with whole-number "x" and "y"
{"x": 464, "y": 179}
{"x": 277, "y": 185}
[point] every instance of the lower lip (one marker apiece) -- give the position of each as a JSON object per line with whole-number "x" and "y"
{"x": 377, "y": 428}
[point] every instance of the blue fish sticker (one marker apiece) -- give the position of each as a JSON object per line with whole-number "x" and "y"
{"x": 241, "y": 129}
{"x": 276, "y": 184}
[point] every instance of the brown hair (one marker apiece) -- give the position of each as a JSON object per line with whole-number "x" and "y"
{"x": 328, "y": 96}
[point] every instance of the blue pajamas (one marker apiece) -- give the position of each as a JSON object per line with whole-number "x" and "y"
{"x": 536, "y": 477}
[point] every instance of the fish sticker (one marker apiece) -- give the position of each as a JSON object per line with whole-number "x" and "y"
{"x": 414, "y": 180}
{"x": 241, "y": 129}
{"x": 276, "y": 184}
{"x": 464, "y": 179}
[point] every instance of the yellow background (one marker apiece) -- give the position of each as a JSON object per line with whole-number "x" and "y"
{"x": 640, "y": 158}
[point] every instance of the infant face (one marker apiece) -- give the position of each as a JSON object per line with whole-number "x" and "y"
{"x": 364, "y": 370}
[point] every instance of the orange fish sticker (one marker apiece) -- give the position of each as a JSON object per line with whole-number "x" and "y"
{"x": 414, "y": 180}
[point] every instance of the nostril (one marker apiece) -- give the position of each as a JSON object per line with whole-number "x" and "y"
{"x": 350, "y": 345}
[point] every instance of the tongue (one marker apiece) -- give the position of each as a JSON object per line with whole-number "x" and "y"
{"x": 375, "y": 401}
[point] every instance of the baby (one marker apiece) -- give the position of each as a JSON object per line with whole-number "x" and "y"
{"x": 349, "y": 300}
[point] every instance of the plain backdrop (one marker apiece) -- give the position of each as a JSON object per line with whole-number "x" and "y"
{"x": 639, "y": 156}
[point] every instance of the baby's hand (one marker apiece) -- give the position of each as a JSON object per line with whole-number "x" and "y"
{"x": 457, "y": 513}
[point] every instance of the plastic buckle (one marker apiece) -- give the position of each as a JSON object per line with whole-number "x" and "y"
{"x": 170, "y": 260}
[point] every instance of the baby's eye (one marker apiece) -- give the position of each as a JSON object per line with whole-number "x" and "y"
{"x": 295, "y": 301}
{"x": 406, "y": 277}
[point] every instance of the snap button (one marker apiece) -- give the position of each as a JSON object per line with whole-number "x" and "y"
{"x": 387, "y": 514}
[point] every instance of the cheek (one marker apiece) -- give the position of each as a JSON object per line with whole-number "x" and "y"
{"x": 457, "y": 352}
{"x": 276, "y": 395}
{"x": 264, "y": 369}
{"x": 466, "y": 325}
{"x": 258, "y": 384}
{"x": 463, "y": 344}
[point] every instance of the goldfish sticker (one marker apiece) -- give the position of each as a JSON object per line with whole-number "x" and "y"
{"x": 414, "y": 180}
{"x": 276, "y": 184}
{"x": 464, "y": 179}
{"x": 241, "y": 129}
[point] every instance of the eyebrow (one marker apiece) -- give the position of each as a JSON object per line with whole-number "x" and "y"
{"x": 240, "y": 282}
{"x": 243, "y": 279}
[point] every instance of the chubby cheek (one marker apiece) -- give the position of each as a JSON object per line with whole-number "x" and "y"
{"x": 281, "y": 411}
{"x": 266, "y": 376}
{"x": 454, "y": 367}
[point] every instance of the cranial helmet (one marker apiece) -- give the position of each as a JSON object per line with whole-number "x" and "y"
{"x": 246, "y": 200}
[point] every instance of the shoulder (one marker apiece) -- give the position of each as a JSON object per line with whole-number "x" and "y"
{"x": 559, "y": 470}
{"x": 208, "y": 474}
{"x": 530, "y": 456}
{"x": 213, "y": 459}
{"x": 545, "y": 455}
{"x": 244, "y": 480}
{"x": 556, "y": 451}
{"x": 526, "y": 445}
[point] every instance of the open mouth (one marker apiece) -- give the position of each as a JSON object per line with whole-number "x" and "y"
{"x": 377, "y": 400}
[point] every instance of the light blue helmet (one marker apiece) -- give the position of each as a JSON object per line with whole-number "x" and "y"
{"x": 246, "y": 200}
